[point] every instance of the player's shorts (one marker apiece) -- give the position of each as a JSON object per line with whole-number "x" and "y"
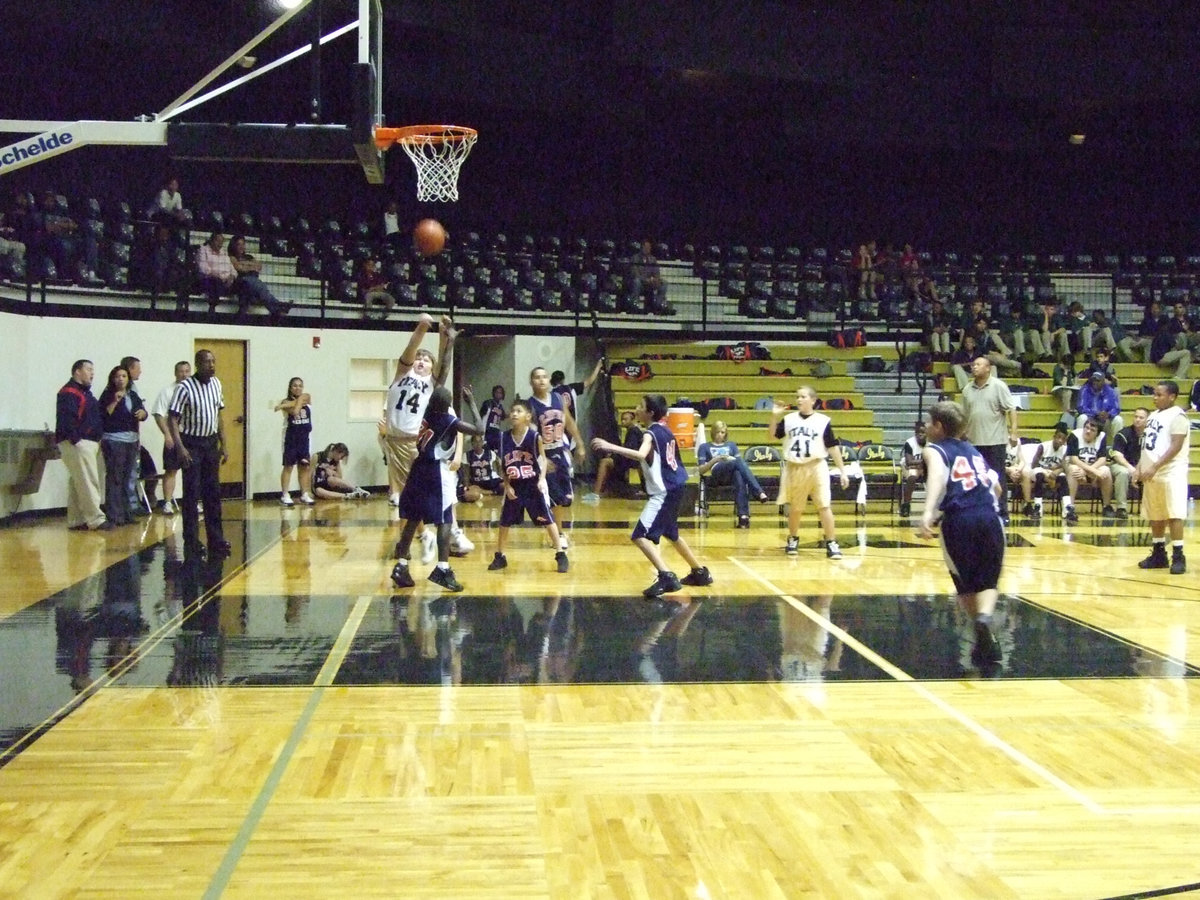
{"x": 1164, "y": 499}
{"x": 660, "y": 517}
{"x": 529, "y": 500}
{"x": 805, "y": 480}
{"x": 401, "y": 450}
{"x": 973, "y": 547}
{"x": 558, "y": 480}
{"x": 171, "y": 459}
{"x": 429, "y": 493}
{"x": 295, "y": 450}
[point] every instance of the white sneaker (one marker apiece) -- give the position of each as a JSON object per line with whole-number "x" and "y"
{"x": 394, "y": 499}
{"x": 460, "y": 543}
{"x": 563, "y": 543}
{"x": 428, "y": 547}
{"x": 591, "y": 498}
{"x": 307, "y": 499}
{"x": 286, "y": 500}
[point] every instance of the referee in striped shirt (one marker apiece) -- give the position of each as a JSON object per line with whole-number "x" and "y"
{"x": 199, "y": 434}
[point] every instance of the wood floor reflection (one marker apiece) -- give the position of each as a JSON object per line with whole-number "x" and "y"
{"x": 284, "y": 723}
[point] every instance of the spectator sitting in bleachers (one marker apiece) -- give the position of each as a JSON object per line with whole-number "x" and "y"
{"x": 168, "y": 204}
{"x": 961, "y": 361}
{"x": 986, "y": 345}
{"x": 1152, "y": 322}
{"x": 646, "y": 280}
{"x": 1108, "y": 334}
{"x": 1080, "y": 329}
{"x": 374, "y": 289}
{"x": 1100, "y": 363}
{"x": 214, "y": 269}
{"x": 12, "y": 250}
{"x": 391, "y": 223}
{"x": 1099, "y": 402}
{"x": 936, "y": 327}
{"x": 1021, "y": 336}
{"x": 60, "y": 240}
{"x": 248, "y": 286}
{"x": 1054, "y": 331}
{"x": 1180, "y": 325}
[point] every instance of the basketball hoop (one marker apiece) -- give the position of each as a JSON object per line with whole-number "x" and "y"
{"x": 438, "y": 152}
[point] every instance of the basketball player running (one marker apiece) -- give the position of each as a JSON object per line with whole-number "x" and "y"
{"x": 1163, "y": 472}
{"x": 960, "y": 485}
{"x": 665, "y": 478}
{"x": 808, "y": 442}
{"x": 555, "y": 423}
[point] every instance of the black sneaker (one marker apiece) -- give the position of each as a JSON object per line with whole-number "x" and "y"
{"x": 986, "y": 652}
{"x": 1178, "y": 563}
{"x": 561, "y": 558}
{"x": 1037, "y": 511}
{"x": 499, "y": 561}
{"x": 832, "y": 550}
{"x": 1029, "y": 511}
{"x": 743, "y": 522}
{"x": 445, "y": 577}
{"x": 905, "y": 509}
{"x": 1157, "y": 558}
{"x": 400, "y": 576}
{"x": 793, "y": 546}
{"x": 1070, "y": 516}
{"x": 665, "y": 583}
{"x": 1122, "y": 513}
{"x": 697, "y": 577}
{"x": 1109, "y": 512}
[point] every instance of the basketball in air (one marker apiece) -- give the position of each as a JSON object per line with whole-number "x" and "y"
{"x": 429, "y": 237}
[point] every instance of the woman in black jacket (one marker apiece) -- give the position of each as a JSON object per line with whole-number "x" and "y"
{"x": 119, "y": 408}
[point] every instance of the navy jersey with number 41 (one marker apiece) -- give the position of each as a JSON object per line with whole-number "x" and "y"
{"x": 969, "y": 481}
{"x": 664, "y": 469}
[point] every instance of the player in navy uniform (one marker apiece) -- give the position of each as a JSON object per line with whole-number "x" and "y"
{"x": 481, "y": 465}
{"x": 959, "y": 485}
{"x": 556, "y": 426}
{"x": 523, "y": 466}
{"x": 432, "y": 487}
{"x": 665, "y": 479}
{"x": 297, "y": 417}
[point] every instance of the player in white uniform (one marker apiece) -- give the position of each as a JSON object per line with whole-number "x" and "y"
{"x": 1163, "y": 470}
{"x": 1087, "y": 463}
{"x": 417, "y": 372}
{"x": 1049, "y": 464}
{"x": 808, "y": 442}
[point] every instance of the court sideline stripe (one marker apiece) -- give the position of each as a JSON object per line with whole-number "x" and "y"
{"x": 237, "y": 847}
{"x": 986, "y": 735}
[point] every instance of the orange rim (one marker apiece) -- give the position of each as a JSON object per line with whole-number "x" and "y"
{"x": 436, "y": 134}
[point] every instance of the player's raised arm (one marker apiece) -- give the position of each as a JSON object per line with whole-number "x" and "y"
{"x": 408, "y": 357}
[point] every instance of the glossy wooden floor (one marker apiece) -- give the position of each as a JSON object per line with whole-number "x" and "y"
{"x": 153, "y": 779}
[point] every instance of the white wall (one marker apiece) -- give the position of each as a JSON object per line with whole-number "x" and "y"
{"x": 36, "y": 356}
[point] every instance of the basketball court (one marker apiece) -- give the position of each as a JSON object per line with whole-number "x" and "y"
{"x": 284, "y": 723}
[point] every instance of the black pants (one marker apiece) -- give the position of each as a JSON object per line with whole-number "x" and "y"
{"x": 994, "y": 456}
{"x": 202, "y": 482}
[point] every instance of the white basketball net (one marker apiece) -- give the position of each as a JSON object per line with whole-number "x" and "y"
{"x": 438, "y": 155}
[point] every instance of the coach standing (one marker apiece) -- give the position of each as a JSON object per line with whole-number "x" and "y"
{"x": 199, "y": 434}
{"x": 991, "y": 418}
{"x": 78, "y": 426}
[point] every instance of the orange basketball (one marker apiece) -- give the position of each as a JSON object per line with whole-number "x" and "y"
{"x": 429, "y": 237}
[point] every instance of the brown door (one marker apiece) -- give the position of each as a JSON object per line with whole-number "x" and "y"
{"x": 231, "y": 370}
